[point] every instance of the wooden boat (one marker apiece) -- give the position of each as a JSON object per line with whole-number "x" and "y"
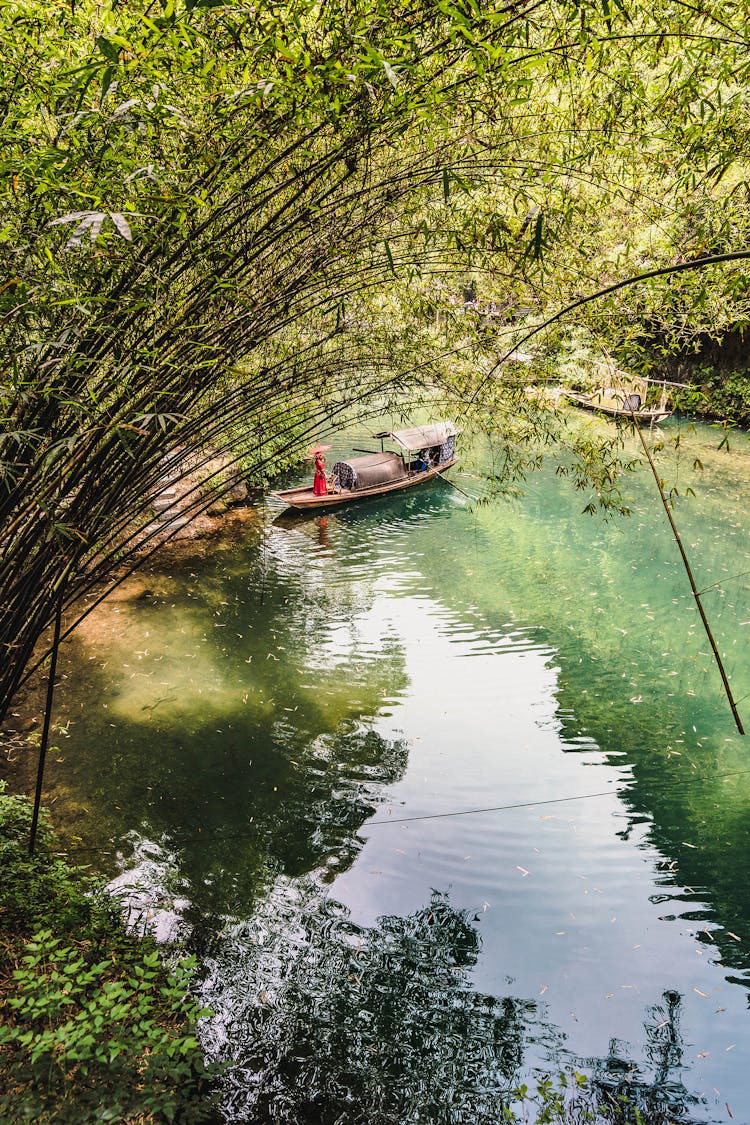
{"x": 624, "y": 397}
{"x": 619, "y": 405}
{"x": 378, "y": 473}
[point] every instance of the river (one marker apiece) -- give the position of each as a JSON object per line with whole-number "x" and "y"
{"x": 444, "y": 795}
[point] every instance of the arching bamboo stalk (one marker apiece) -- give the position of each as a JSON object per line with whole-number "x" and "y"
{"x": 689, "y": 572}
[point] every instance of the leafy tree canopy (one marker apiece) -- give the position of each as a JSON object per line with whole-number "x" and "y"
{"x": 222, "y": 224}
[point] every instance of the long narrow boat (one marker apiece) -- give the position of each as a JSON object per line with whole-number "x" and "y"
{"x": 619, "y": 404}
{"x": 377, "y": 474}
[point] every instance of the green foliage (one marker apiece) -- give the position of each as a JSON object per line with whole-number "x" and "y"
{"x": 221, "y": 225}
{"x": 571, "y": 1098}
{"x": 98, "y": 1041}
{"x": 717, "y": 394}
{"x": 41, "y": 889}
{"x": 96, "y": 1026}
{"x": 189, "y": 199}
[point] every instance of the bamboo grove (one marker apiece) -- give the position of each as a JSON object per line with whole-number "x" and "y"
{"x": 223, "y": 225}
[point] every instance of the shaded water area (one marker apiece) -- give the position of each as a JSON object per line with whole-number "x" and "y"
{"x": 441, "y": 794}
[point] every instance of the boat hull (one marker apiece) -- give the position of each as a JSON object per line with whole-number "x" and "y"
{"x": 305, "y": 499}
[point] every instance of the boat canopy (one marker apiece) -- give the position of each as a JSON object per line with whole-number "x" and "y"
{"x": 422, "y": 437}
{"x": 369, "y": 471}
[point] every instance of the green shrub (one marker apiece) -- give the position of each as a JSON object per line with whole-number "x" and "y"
{"x": 43, "y": 889}
{"x": 95, "y": 1026}
{"x": 716, "y": 394}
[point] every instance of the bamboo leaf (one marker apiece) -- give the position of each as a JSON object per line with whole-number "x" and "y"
{"x": 390, "y": 73}
{"x": 125, "y": 106}
{"x": 108, "y": 49}
{"x": 122, "y": 225}
{"x": 95, "y": 226}
{"x": 71, "y": 217}
{"x": 90, "y": 220}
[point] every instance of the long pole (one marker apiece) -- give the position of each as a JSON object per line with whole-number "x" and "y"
{"x": 689, "y": 572}
{"x": 47, "y": 722}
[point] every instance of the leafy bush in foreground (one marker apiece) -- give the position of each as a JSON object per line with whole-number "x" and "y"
{"x": 95, "y": 1026}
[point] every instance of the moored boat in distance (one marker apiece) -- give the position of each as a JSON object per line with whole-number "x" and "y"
{"x": 426, "y": 452}
{"x": 626, "y": 400}
{"x": 617, "y": 406}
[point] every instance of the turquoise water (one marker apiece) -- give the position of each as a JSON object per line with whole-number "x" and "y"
{"x": 442, "y": 794}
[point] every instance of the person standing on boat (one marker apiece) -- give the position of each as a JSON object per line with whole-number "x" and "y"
{"x": 320, "y": 486}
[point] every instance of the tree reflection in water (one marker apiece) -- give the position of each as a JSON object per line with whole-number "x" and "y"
{"x": 342, "y": 1024}
{"x": 321, "y": 1021}
{"x": 661, "y": 1096}
{"x": 188, "y": 883}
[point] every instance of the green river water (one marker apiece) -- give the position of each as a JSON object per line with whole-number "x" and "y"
{"x": 443, "y": 795}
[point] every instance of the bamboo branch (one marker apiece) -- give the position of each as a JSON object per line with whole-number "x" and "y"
{"x": 688, "y": 570}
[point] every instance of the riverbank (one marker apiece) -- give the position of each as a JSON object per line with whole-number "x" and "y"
{"x": 188, "y": 520}
{"x": 716, "y": 397}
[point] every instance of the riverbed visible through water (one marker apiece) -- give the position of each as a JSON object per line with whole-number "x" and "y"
{"x": 443, "y": 794}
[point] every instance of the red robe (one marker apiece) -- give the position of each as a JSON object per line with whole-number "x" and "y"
{"x": 320, "y": 486}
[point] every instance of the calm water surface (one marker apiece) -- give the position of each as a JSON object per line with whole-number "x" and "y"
{"x": 442, "y": 794}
